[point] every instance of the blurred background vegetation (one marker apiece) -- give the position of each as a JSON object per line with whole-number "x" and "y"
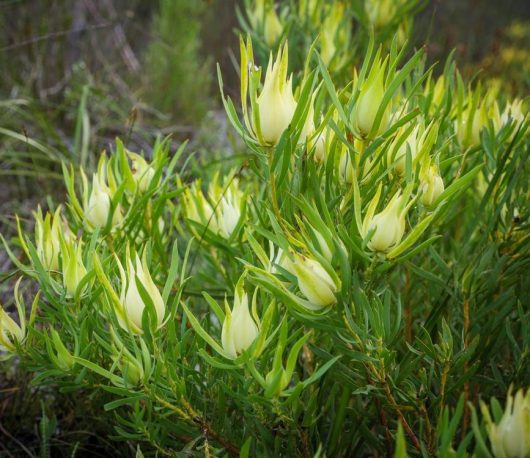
{"x": 76, "y": 74}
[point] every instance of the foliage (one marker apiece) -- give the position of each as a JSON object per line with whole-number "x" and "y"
{"x": 352, "y": 282}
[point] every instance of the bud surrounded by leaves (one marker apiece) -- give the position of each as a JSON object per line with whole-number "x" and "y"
{"x": 380, "y": 12}
{"x": 314, "y": 281}
{"x": 431, "y": 185}
{"x": 272, "y": 28}
{"x": 239, "y": 327}
{"x": 510, "y": 438}
{"x": 276, "y": 103}
{"x": 142, "y": 172}
{"x": 72, "y": 265}
{"x": 230, "y": 204}
{"x": 48, "y": 238}
{"x": 12, "y": 333}
{"x": 97, "y": 203}
{"x": 471, "y": 121}
{"x": 196, "y": 207}
{"x": 371, "y": 93}
{"x": 130, "y": 297}
{"x": 388, "y": 226}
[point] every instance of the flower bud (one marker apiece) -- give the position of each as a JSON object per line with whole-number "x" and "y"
{"x": 470, "y": 123}
{"x": 72, "y": 265}
{"x": 388, "y": 226}
{"x": 48, "y": 238}
{"x": 513, "y": 111}
{"x": 142, "y": 172}
{"x": 370, "y": 98}
{"x": 239, "y": 327}
{"x": 346, "y": 168}
{"x": 380, "y": 12}
{"x": 330, "y": 32}
{"x": 314, "y": 281}
{"x": 276, "y": 103}
{"x": 10, "y": 332}
{"x": 412, "y": 144}
{"x": 97, "y": 203}
{"x": 255, "y": 16}
{"x": 97, "y": 211}
{"x": 431, "y": 186}
{"x": 439, "y": 91}
{"x": 130, "y": 297}
{"x": 511, "y": 437}
{"x": 196, "y": 207}
{"x": 228, "y": 202}
{"x": 272, "y": 29}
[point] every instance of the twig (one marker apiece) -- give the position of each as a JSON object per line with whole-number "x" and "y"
{"x": 14, "y": 439}
{"x": 404, "y": 422}
{"x": 193, "y": 417}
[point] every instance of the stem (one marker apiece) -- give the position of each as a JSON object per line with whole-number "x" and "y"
{"x": 274, "y": 197}
{"x": 190, "y": 415}
{"x": 384, "y": 421}
{"x": 339, "y": 419}
{"x": 404, "y": 422}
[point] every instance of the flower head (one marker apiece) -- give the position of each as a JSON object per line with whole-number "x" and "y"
{"x": 510, "y": 438}
{"x": 371, "y": 94}
{"x": 48, "y": 238}
{"x": 239, "y": 327}
{"x": 314, "y": 281}
{"x": 276, "y": 103}
{"x": 388, "y": 226}
{"x": 130, "y": 298}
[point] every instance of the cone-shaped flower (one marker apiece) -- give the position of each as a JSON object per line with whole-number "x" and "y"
{"x": 314, "y": 281}
{"x": 329, "y": 31}
{"x": 346, "y": 168}
{"x": 320, "y": 143}
{"x": 48, "y": 238}
{"x": 412, "y": 144}
{"x": 514, "y": 111}
{"x": 276, "y": 103}
{"x": 10, "y": 332}
{"x": 228, "y": 202}
{"x": 470, "y": 122}
{"x": 511, "y": 437}
{"x": 380, "y": 12}
{"x": 142, "y": 172}
{"x": 97, "y": 211}
{"x": 130, "y": 297}
{"x": 196, "y": 207}
{"x": 371, "y": 95}
{"x": 97, "y": 203}
{"x": 438, "y": 92}
{"x": 255, "y": 16}
{"x": 431, "y": 185}
{"x": 272, "y": 29}
{"x": 388, "y": 225}
{"x": 72, "y": 264}
{"x": 239, "y": 327}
